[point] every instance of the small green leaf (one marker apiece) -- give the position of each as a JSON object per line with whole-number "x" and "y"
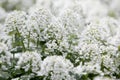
{"x": 12, "y": 32}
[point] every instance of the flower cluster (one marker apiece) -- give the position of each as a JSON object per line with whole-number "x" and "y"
{"x": 59, "y": 40}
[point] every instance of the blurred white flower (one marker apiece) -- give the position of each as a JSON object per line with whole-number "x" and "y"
{"x": 3, "y": 14}
{"x": 102, "y": 78}
{"x": 55, "y": 6}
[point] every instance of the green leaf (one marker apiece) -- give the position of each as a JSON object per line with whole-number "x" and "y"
{"x": 12, "y": 32}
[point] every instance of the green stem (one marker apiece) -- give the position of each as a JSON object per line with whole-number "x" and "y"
{"x": 22, "y": 43}
{"x": 37, "y": 41}
{"x": 28, "y": 40}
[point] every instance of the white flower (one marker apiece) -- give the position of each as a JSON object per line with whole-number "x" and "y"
{"x": 79, "y": 69}
{"x": 5, "y": 57}
{"x": 29, "y": 61}
{"x": 114, "y": 4}
{"x": 55, "y": 6}
{"x": 38, "y": 22}
{"x": 57, "y": 66}
{"x": 95, "y": 50}
{"x": 3, "y": 47}
{"x": 72, "y": 21}
{"x": 111, "y": 25}
{"x": 95, "y": 33}
{"x": 3, "y": 35}
{"x": 16, "y": 79}
{"x": 16, "y": 21}
{"x": 10, "y": 5}
{"x": 93, "y": 8}
{"x": 86, "y": 32}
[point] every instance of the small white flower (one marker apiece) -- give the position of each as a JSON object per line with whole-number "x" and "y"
{"x": 57, "y": 66}
{"x": 30, "y": 61}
